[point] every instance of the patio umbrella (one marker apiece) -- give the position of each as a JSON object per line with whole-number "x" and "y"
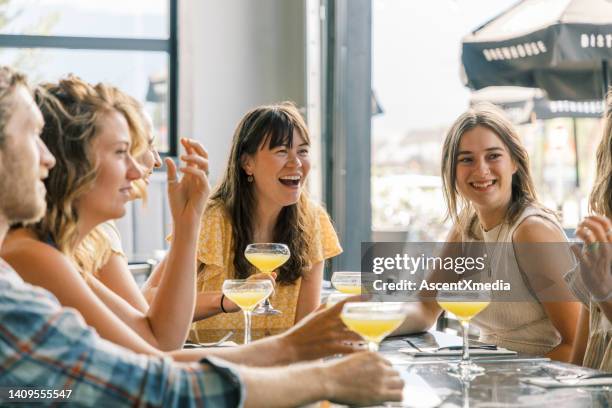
{"x": 523, "y": 105}
{"x": 560, "y": 46}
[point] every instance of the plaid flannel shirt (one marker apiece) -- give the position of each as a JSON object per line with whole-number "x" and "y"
{"x": 45, "y": 346}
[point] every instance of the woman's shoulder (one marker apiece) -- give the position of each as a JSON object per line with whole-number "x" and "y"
{"x": 25, "y": 252}
{"x": 23, "y": 241}
{"x": 215, "y": 234}
{"x": 214, "y": 213}
{"x": 537, "y": 224}
{"x": 110, "y": 230}
{"x": 315, "y": 210}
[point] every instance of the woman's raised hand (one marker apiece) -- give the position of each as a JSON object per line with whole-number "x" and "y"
{"x": 188, "y": 195}
{"x": 596, "y": 258}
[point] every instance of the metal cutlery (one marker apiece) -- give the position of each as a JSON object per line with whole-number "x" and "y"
{"x": 211, "y": 344}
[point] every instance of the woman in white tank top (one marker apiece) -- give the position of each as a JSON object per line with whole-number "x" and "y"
{"x": 491, "y": 198}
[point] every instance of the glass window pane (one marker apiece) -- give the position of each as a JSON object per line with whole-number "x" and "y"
{"x": 91, "y": 18}
{"x": 141, "y": 74}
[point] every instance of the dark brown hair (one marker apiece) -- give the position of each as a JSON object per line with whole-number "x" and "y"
{"x": 264, "y": 126}
{"x": 523, "y": 190}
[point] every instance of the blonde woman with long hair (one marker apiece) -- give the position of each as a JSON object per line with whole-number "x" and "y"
{"x": 90, "y": 129}
{"x": 491, "y": 198}
{"x": 592, "y": 282}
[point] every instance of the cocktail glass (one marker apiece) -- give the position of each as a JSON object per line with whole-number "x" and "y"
{"x": 247, "y": 294}
{"x": 267, "y": 257}
{"x": 373, "y": 320}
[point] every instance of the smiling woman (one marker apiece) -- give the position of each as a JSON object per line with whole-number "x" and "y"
{"x": 491, "y": 198}
{"x": 262, "y": 198}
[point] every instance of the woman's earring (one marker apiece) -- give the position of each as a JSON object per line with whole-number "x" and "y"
{"x": 250, "y": 178}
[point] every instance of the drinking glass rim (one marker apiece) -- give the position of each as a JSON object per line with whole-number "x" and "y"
{"x": 359, "y": 307}
{"x": 346, "y": 273}
{"x": 266, "y": 245}
{"x": 249, "y": 281}
{"x": 464, "y": 295}
{"x": 341, "y": 277}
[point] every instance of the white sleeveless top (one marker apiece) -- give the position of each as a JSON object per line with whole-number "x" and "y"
{"x": 522, "y": 326}
{"x": 598, "y": 353}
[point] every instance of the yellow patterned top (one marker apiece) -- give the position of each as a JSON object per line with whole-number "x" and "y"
{"x": 215, "y": 263}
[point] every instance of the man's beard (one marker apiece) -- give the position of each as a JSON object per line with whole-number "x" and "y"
{"x": 20, "y": 199}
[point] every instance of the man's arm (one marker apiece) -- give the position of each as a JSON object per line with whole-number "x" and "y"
{"x": 320, "y": 334}
{"x": 45, "y": 346}
{"x": 360, "y": 379}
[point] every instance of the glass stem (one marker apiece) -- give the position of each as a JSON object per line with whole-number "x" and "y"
{"x": 465, "y": 357}
{"x": 372, "y": 346}
{"x": 247, "y": 327}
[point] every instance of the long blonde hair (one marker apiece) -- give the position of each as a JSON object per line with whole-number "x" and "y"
{"x": 95, "y": 249}
{"x": 600, "y": 199}
{"x": 72, "y": 110}
{"x": 460, "y": 210}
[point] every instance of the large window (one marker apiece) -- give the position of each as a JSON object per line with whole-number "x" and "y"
{"x": 416, "y": 69}
{"x": 130, "y": 44}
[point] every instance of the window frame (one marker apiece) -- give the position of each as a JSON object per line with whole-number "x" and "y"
{"x": 168, "y": 45}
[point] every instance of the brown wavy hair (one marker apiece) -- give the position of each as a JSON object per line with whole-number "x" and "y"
{"x": 9, "y": 79}
{"x": 95, "y": 250}
{"x": 600, "y": 200}
{"x": 461, "y": 211}
{"x": 72, "y": 110}
{"x": 277, "y": 125}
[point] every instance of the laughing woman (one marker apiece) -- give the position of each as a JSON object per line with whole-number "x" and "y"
{"x": 491, "y": 198}
{"x": 262, "y": 198}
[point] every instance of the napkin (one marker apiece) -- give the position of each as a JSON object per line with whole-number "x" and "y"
{"x": 567, "y": 382}
{"x": 434, "y": 352}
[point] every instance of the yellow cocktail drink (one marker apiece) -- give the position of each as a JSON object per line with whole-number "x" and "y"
{"x": 246, "y": 294}
{"x": 349, "y": 289}
{"x": 373, "y": 329}
{"x": 464, "y": 310}
{"x": 247, "y": 300}
{"x": 266, "y": 262}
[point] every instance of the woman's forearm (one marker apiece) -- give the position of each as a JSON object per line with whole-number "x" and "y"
{"x": 582, "y": 337}
{"x": 271, "y": 351}
{"x": 606, "y": 308}
{"x": 208, "y": 304}
{"x": 171, "y": 310}
{"x": 563, "y": 352}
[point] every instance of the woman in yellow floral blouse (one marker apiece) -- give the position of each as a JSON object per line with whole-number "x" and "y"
{"x": 262, "y": 198}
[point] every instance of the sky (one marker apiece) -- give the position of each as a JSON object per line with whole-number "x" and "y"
{"x": 416, "y": 60}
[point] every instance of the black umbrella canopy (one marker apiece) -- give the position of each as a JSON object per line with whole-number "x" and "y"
{"x": 522, "y": 105}
{"x": 560, "y": 46}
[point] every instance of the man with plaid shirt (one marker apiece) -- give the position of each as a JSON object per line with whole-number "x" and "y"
{"x": 49, "y": 355}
